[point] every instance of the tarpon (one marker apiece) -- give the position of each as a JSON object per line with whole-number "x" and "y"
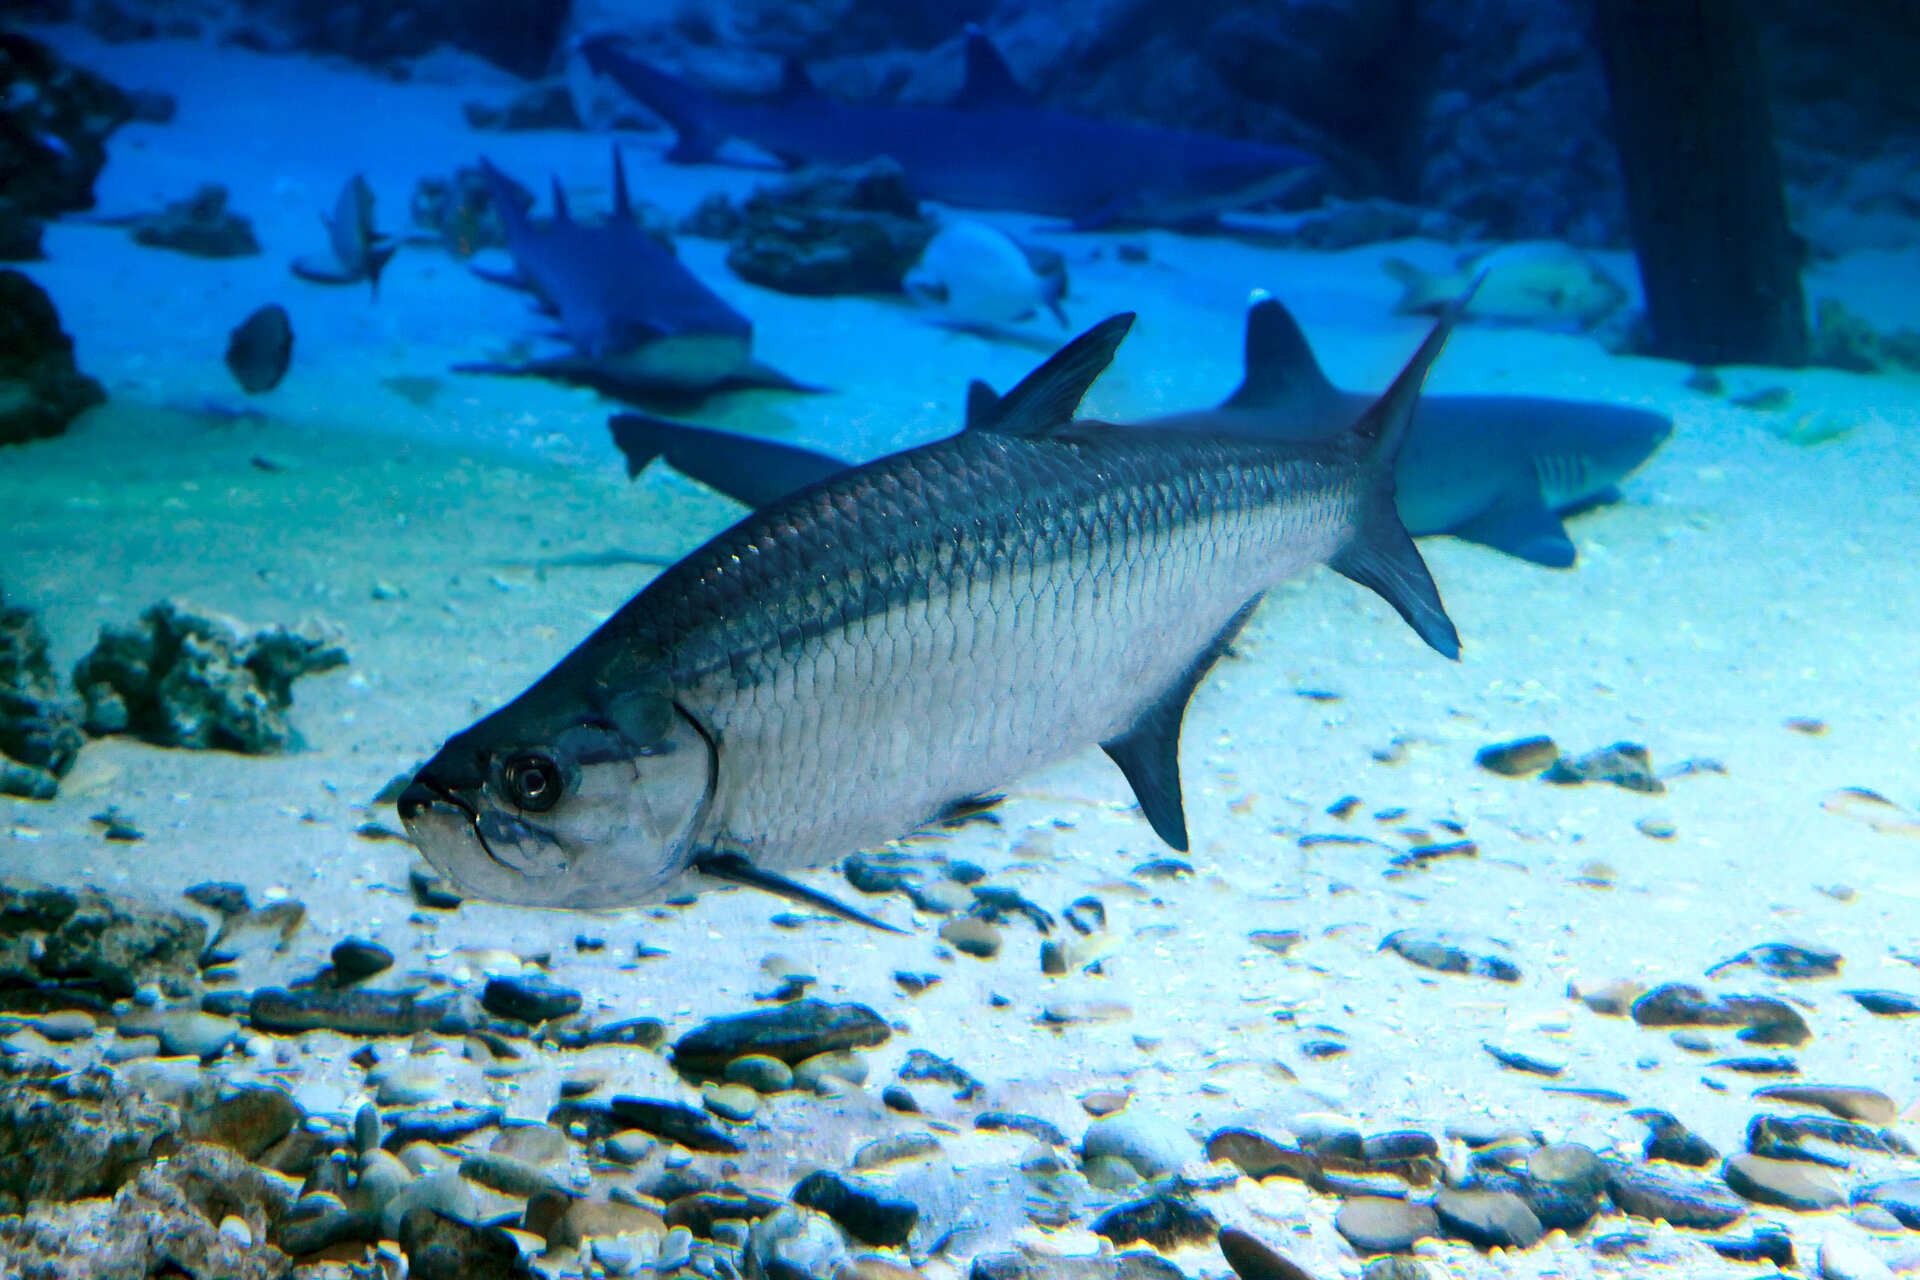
{"x": 993, "y": 147}
{"x": 858, "y": 658}
{"x": 1497, "y": 470}
{"x": 635, "y": 321}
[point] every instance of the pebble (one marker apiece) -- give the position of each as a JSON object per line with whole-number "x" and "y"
{"x": 863, "y": 1210}
{"x": 1659, "y": 1196}
{"x": 1842, "y": 1259}
{"x": 357, "y": 1012}
{"x": 1165, "y": 1222}
{"x": 1447, "y": 952}
{"x": 537, "y": 1144}
{"x": 508, "y": 1176}
{"x": 1395, "y": 1269}
{"x": 1520, "y": 758}
{"x": 1568, "y": 1167}
{"x": 792, "y": 1033}
{"x": 1784, "y": 1184}
{"x": 379, "y": 1180}
{"x": 532, "y": 998}
{"x": 356, "y": 958}
{"x": 735, "y": 1102}
{"x": 630, "y": 1146}
{"x": 64, "y": 1026}
{"x": 440, "y": 1123}
{"x": 1789, "y": 961}
{"x": 236, "y": 1230}
{"x": 192, "y": 1034}
{"x": 818, "y": 1073}
{"x": 1253, "y": 1259}
{"x": 1668, "y": 1139}
{"x": 1151, "y": 1145}
{"x": 447, "y": 1193}
{"x": 1849, "y": 1102}
{"x": 1899, "y": 1197}
{"x": 410, "y": 1082}
{"x": 226, "y": 897}
{"x": 1375, "y": 1224}
{"x": 1886, "y": 1004}
{"x": 1488, "y": 1219}
{"x": 971, "y": 936}
{"x": 675, "y": 1123}
{"x": 760, "y": 1073}
{"x": 1624, "y": 764}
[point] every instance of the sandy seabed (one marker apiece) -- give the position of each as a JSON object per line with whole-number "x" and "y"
{"x": 1744, "y": 582}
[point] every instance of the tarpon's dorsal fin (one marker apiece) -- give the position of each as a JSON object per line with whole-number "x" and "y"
{"x": 1046, "y": 399}
{"x": 734, "y": 868}
{"x": 1381, "y": 556}
{"x": 990, "y": 82}
{"x": 1149, "y": 753}
{"x": 1280, "y": 362}
{"x": 622, "y": 199}
{"x": 560, "y": 211}
{"x": 983, "y": 406}
{"x": 794, "y": 80}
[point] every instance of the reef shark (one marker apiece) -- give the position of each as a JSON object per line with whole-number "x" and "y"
{"x": 993, "y": 147}
{"x": 1497, "y": 470}
{"x": 636, "y": 322}
{"x": 884, "y": 647}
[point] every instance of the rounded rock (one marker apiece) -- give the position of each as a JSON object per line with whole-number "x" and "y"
{"x": 1153, "y": 1146}
{"x": 189, "y": 1033}
{"x": 1488, "y": 1219}
{"x": 1784, "y": 1184}
{"x": 447, "y": 1193}
{"x": 357, "y": 958}
{"x": 1642, "y": 1191}
{"x": 1842, "y": 1259}
{"x": 1377, "y": 1224}
{"x": 733, "y": 1102}
{"x": 759, "y": 1072}
{"x": 531, "y": 998}
{"x": 971, "y": 936}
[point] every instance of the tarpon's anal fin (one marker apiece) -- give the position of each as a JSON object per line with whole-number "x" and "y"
{"x": 983, "y": 406}
{"x": 1383, "y": 559}
{"x": 990, "y": 82}
{"x": 1522, "y": 526}
{"x": 1149, "y": 753}
{"x": 734, "y": 868}
{"x": 1046, "y": 399}
{"x": 1280, "y": 364}
{"x": 745, "y": 468}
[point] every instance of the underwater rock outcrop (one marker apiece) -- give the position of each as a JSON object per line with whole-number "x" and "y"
{"x": 39, "y": 735}
{"x": 857, "y": 230}
{"x": 54, "y": 125}
{"x": 41, "y": 389}
{"x": 182, "y": 678}
{"x": 200, "y": 225}
{"x": 86, "y": 941}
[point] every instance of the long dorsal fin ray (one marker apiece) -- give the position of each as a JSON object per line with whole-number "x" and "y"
{"x": 1280, "y": 363}
{"x": 990, "y": 82}
{"x": 734, "y": 868}
{"x": 1149, "y": 753}
{"x": 1046, "y": 399}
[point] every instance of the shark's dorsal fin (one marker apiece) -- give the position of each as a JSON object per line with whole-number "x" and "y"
{"x": 989, "y": 81}
{"x": 1280, "y": 362}
{"x": 794, "y": 80}
{"x": 983, "y": 406}
{"x": 560, "y": 211}
{"x": 1046, "y": 399}
{"x": 622, "y": 200}
{"x": 1149, "y": 753}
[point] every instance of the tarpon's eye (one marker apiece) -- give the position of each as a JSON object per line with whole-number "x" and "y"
{"x": 533, "y": 781}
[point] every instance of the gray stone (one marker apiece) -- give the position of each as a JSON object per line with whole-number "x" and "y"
{"x": 690, "y": 1128}
{"x": 359, "y": 1012}
{"x": 357, "y": 958}
{"x": 446, "y": 1193}
{"x": 1899, "y": 1197}
{"x": 1254, "y": 1259}
{"x": 1445, "y": 951}
{"x": 760, "y": 1073}
{"x": 1657, "y": 1195}
{"x": 1375, "y": 1224}
{"x": 190, "y": 1033}
{"x": 792, "y": 1033}
{"x": 1784, "y": 1184}
{"x": 531, "y": 998}
{"x": 1488, "y": 1219}
{"x": 1152, "y": 1145}
{"x": 861, "y": 1207}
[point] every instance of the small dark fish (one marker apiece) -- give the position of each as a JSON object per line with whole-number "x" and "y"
{"x": 259, "y": 351}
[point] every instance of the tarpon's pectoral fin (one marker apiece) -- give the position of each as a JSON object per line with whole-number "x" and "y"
{"x": 1523, "y": 527}
{"x": 1149, "y": 753}
{"x": 1279, "y": 361}
{"x": 989, "y": 81}
{"x": 1383, "y": 560}
{"x": 746, "y": 469}
{"x": 1046, "y": 399}
{"x": 733, "y": 868}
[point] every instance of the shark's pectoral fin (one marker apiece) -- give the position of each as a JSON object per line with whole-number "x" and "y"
{"x": 746, "y": 469}
{"x": 1523, "y": 527}
{"x": 1382, "y": 558}
{"x": 1149, "y": 753}
{"x": 734, "y": 868}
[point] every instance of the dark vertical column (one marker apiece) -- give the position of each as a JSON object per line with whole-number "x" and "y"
{"x": 1720, "y": 265}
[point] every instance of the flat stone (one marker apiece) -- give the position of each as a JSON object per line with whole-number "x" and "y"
{"x": 865, "y": 1211}
{"x": 1520, "y": 758}
{"x": 1668, "y": 1139}
{"x": 1843, "y": 1259}
{"x": 246, "y": 1121}
{"x": 1152, "y": 1145}
{"x": 444, "y": 1193}
{"x": 1165, "y": 1222}
{"x": 537, "y": 1144}
{"x": 760, "y": 1073}
{"x": 1849, "y": 1102}
{"x": 508, "y": 1176}
{"x": 1488, "y": 1219}
{"x": 1887, "y": 1004}
{"x": 792, "y": 1033}
{"x": 676, "y": 1123}
{"x": 1375, "y": 1224}
{"x": 1658, "y": 1196}
{"x": 1254, "y": 1259}
{"x": 358, "y": 1012}
{"x": 410, "y": 1082}
{"x": 356, "y": 958}
{"x": 1445, "y": 951}
{"x": 1784, "y": 1184}
{"x": 733, "y": 1102}
{"x": 972, "y": 937}
{"x": 1900, "y": 1197}
{"x": 450, "y": 1246}
{"x": 531, "y": 998}
{"x": 189, "y": 1033}
{"x": 604, "y": 1219}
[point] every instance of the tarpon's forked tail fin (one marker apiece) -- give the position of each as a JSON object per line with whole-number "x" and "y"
{"x": 1381, "y": 556}
{"x": 686, "y": 108}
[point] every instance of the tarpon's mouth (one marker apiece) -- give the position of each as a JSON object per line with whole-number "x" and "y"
{"x": 424, "y": 795}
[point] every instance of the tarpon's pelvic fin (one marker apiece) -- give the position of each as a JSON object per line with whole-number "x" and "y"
{"x": 1149, "y": 753}
{"x": 734, "y": 868}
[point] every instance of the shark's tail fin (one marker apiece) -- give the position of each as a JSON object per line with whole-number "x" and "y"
{"x": 1381, "y": 556}
{"x": 686, "y": 108}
